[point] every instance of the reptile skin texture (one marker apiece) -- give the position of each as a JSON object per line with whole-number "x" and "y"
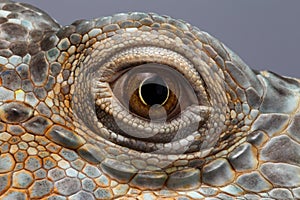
{"x": 139, "y": 106}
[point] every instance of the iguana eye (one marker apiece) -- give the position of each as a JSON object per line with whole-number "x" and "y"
{"x": 153, "y": 92}
{"x": 149, "y": 100}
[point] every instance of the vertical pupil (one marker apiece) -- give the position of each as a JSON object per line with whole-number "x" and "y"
{"x": 153, "y": 91}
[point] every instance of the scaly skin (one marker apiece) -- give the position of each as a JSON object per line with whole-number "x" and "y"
{"x": 62, "y": 132}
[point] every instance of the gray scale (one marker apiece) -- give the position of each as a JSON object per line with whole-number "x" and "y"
{"x": 218, "y": 172}
{"x": 56, "y": 174}
{"x": 290, "y": 150}
{"x": 82, "y": 195}
{"x": 282, "y": 175}
{"x": 149, "y": 180}
{"x": 41, "y": 188}
{"x": 68, "y": 186}
{"x": 122, "y": 171}
{"x": 244, "y": 158}
{"x": 64, "y": 136}
{"x": 279, "y": 193}
{"x": 23, "y": 179}
{"x": 68, "y": 154}
{"x": 253, "y": 182}
{"x": 293, "y": 130}
{"x": 37, "y": 125}
{"x": 184, "y": 179}
{"x": 88, "y": 185}
{"x": 91, "y": 154}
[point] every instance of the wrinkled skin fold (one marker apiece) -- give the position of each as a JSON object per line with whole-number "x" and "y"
{"x": 139, "y": 106}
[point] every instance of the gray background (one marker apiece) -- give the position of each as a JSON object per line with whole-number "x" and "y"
{"x": 265, "y": 34}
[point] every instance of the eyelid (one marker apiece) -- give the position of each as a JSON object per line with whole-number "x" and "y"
{"x": 116, "y": 64}
{"x": 126, "y": 58}
{"x": 188, "y": 119}
{"x": 148, "y": 54}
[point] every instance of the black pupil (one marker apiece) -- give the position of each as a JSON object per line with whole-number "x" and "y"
{"x": 154, "y": 91}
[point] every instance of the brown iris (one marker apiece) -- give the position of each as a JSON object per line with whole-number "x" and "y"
{"x": 149, "y": 91}
{"x": 153, "y": 99}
